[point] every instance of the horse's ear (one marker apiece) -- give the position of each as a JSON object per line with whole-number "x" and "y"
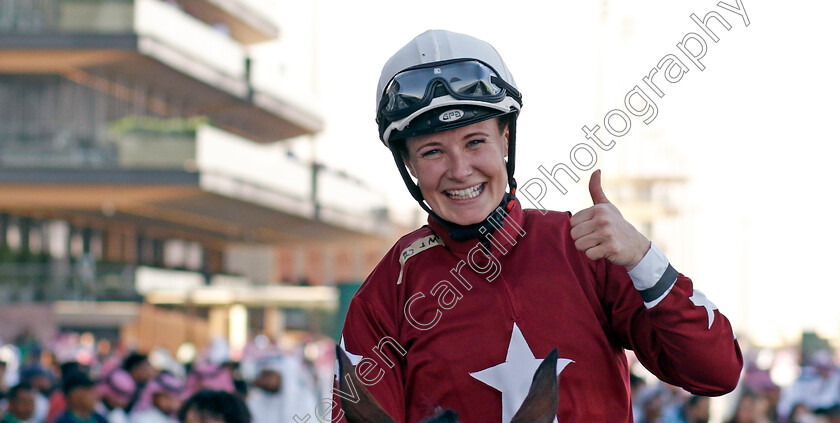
{"x": 540, "y": 406}
{"x": 447, "y": 416}
{"x": 365, "y": 408}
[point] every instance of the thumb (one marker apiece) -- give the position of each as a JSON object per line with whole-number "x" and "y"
{"x": 595, "y": 189}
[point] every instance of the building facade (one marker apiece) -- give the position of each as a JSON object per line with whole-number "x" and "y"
{"x": 140, "y": 162}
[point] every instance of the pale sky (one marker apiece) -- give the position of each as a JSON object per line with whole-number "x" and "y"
{"x": 754, "y": 130}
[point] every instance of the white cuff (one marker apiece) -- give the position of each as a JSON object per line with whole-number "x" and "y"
{"x": 653, "y": 276}
{"x": 650, "y": 269}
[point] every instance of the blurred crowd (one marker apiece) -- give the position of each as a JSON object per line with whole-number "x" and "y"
{"x": 812, "y": 396}
{"x": 77, "y": 379}
{"x": 72, "y": 382}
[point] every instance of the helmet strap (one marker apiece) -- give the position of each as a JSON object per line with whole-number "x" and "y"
{"x": 511, "y": 162}
{"x": 413, "y": 188}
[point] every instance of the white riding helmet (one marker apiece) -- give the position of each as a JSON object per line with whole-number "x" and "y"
{"x": 439, "y": 81}
{"x": 442, "y": 70}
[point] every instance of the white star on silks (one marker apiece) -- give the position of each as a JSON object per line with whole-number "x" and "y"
{"x": 699, "y": 299}
{"x": 354, "y": 359}
{"x": 513, "y": 377}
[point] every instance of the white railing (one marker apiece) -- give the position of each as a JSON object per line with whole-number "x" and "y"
{"x": 284, "y": 87}
{"x": 96, "y": 17}
{"x": 153, "y": 278}
{"x": 178, "y": 30}
{"x": 266, "y": 8}
{"x": 341, "y": 192}
{"x": 284, "y": 296}
{"x": 264, "y": 165}
{"x": 234, "y": 166}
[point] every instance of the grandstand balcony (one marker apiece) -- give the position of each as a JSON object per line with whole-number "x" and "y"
{"x": 171, "y": 58}
{"x": 194, "y": 181}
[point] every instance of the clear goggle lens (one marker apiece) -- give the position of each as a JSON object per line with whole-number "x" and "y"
{"x": 465, "y": 80}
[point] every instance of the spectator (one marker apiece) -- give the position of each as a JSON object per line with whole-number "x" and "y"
{"x": 57, "y": 400}
{"x": 116, "y": 390}
{"x": 3, "y": 388}
{"x": 761, "y": 384}
{"x": 21, "y": 405}
{"x": 266, "y": 400}
{"x": 81, "y": 399}
{"x": 751, "y": 409}
{"x": 159, "y": 401}
{"x": 208, "y": 406}
{"x": 818, "y": 387}
{"x": 28, "y": 345}
{"x": 832, "y": 414}
{"x": 694, "y": 410}
{"x": 802, "y": 414}
{"x": 206, "y": 375}
{"x": 652, "y": 401}
{"x": 42, "y": 384}
{"x": 240, "y": 387}
{"x": 637, "y": 385}
{"x": 138, "y": 366}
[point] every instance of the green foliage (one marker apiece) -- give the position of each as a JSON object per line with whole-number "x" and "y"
{"x": 158, "y": 126}
{"x": 97, "y": 1}
{"x": 7, "y": 255}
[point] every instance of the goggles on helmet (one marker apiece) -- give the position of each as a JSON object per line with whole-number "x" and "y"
{"x": 414, "y": 88}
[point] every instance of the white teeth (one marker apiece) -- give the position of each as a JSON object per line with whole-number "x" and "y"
{"x": 465, "y": 194}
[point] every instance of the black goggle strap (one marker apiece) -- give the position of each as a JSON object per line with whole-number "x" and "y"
{"x": 510, "y": 89}
{"x": 409, "y": 183}
{"x": 511, "y": 162}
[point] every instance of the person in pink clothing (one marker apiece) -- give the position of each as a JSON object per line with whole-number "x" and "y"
{"x": 159, "y": 401}
{"x": 206, "y": 375}
{"x": 115, "y": 390}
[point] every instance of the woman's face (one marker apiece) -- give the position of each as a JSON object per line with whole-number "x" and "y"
{"x": 461, "y": 172}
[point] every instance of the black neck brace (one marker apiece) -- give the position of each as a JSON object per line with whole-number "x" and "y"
{"x": 477, "y": 230}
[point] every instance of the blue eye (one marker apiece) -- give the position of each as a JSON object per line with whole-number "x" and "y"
{"x": 475, "y": 142}
{"x": 429, "y": 152}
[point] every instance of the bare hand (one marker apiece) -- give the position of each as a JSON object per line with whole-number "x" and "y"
{"x": 602, "y": 232}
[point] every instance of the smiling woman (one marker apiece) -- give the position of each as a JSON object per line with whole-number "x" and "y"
{"x": 446, "y": 102}
{"x": 461, "y": 173}
{"x": 480, "y": 296}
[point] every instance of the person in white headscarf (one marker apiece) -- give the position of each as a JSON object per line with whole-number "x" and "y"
{"x": 159, "y": 401}
{"x": 818, "y": 387}
{"x": 296, "y": 394}
{"x": 267, "y": 400}
{"x": 115, "y": 390}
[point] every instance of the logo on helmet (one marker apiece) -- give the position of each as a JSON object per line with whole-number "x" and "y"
{"x": 451, "y": 115}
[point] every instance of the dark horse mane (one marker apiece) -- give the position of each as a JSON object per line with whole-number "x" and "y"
{"x": 539, "y": 406}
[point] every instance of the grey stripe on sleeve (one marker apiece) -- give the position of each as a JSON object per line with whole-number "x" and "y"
{"x": 665, "y": 282}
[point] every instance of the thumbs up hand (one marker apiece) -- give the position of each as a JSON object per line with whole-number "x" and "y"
{"x": 602, "y": 232}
